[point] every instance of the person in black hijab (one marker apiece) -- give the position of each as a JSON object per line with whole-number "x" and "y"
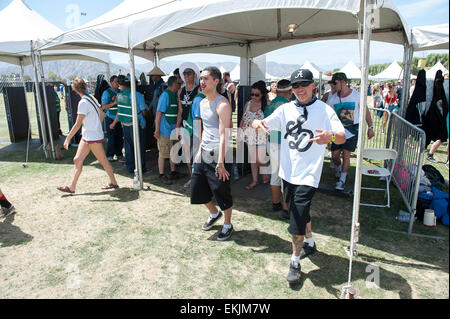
{"x": 416, "y": 105}
{"x": 434, "y": 123}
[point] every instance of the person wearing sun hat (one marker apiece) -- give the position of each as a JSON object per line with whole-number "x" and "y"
{"x": 307, "y": 125}
{"x": 159, "y": 86}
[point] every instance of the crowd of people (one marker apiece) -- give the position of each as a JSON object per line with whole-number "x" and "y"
{"x": 191, "y": 118}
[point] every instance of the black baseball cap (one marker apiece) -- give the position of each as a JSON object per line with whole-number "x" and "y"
{"x": 338, "y": 76}
{"x": 302, "y": 75}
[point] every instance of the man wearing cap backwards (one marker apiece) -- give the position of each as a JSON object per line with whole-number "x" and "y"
{"x": 189, "y": 73}
{"x": 346, "y": 105}
{"x": 301, "y": 155}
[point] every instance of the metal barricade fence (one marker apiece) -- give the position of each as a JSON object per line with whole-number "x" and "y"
{"x": 379, "y": 116}
{"x": 409, "y": 142}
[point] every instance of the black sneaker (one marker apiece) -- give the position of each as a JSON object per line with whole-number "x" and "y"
{"x": 284, "y": 214}
{"x": 224, "y": 236}
{"x": 8, "y": 211}
{"x": 431, "y": 159}
{"x": 294, "y": 275}
{"x": 175, "y": 175}
{"x": 277, "y": 207}
{"x": 165, "y": 180}
{"x": 307, "y": 250}
{"x": 211, "y": 221}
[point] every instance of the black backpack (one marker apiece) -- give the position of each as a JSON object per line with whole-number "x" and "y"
{"x": 433, "y": 174}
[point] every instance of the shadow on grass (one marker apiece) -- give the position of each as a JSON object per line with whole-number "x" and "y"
{"x": 123, "y": 194}
{"x": 332, "y": 270}
{"x": 267, "y": 243}
{"x": 11, "y": 235}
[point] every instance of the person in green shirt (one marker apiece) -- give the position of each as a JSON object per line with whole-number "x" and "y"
{"x": 283, "y": 93}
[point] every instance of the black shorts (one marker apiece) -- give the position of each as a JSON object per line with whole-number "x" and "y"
{"x": 298, "y": 200}
{"x": 205, "y": 184}
{"x": 349, "y": 145}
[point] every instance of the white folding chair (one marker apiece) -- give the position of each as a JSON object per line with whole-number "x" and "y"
{"x": 379, "y": 154}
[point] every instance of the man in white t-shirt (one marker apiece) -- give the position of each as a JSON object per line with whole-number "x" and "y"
{"x": 346, "y": 104}
{"x": 307, "y": 125}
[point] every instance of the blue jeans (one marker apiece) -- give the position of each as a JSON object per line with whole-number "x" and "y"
{"x": 129, "y": 147}
{"x": 115, "y": 138}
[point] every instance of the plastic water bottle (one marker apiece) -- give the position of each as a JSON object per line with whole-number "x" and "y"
{"x": 235, "y": 172}
{"x": 135, "y": 182}
{"x": 403, "y": 218}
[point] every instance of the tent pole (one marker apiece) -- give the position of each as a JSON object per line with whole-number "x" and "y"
{"x": 108, "y": 71}
{"x": 137, "y": 148}
{"x": 320, "y": 85}
{"x": 407, "y": 60}
{"x": 47, "y": 113}
{"x": 369, "y": 6}
{"x": 39, "y": 103}
{"x": 22, "y": 73}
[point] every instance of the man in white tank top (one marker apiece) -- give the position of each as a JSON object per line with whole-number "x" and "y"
{"x": 211, "y": 175}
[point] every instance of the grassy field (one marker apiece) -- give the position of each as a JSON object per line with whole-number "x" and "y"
{"x": 149, "y": 244}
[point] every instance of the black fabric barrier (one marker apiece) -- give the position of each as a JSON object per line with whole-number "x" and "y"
{"x": 72, "y": 99}
{"x": 16, "y": 113}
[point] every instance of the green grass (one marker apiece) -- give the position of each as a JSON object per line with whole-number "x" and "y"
{"x": 149, "y": 244}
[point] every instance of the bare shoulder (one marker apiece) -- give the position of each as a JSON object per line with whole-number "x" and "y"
{"x": 223, "y": 104}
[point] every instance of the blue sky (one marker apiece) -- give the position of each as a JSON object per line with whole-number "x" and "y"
{"x": 415, "y": 12}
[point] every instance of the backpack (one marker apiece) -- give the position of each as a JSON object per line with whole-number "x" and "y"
{"x": 433, "y": 175}
{"x": 156, "y": 94}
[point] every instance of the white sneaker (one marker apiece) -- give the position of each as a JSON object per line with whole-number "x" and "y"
{"x": 187, "y": 184}
{"x": 340, "y": 185}
{"x": 110, "y": 158}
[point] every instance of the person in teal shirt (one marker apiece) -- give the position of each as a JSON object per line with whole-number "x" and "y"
{"x": 284, "y": 92}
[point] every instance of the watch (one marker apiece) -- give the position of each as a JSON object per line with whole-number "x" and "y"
{"x": 370, "y": 128}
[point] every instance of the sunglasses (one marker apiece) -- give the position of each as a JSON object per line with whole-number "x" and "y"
{"x": 300, "y": 84}
{"x": 187, "y": 73}
{"x": 255, "y": 94}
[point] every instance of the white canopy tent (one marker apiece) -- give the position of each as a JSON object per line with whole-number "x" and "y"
{"x": 430, "y": 37}
{"x": 15, "y": 44}
{"x": 229, "y": 27}
{"x": 238, "y": 28}
{"x": 393, "y": 72}
{"x": 235, "y": 74}
{"x": 246, "y": 29}
{"x": 315, "y": 71}
{"x": 16, "y": 47}
{"x": 351, "y": 71}
{"x": 431, "y": 73}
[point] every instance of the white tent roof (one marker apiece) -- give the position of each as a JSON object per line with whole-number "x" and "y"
{"x": 235, "y": 74}
{"x": 315, "y": 70}
{"x": 431, "y": 73}
{"x": 393, "y": 72}
{"x": 351, "y": 71}
{"x": 226, "y": 26}
{"x": 430, "y": 37}
{"x": 26, "y": 25}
